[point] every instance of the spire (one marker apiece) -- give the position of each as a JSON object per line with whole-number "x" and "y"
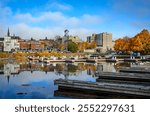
{"x": 8, "y": 33}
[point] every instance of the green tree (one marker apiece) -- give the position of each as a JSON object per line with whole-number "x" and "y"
{"x": 72, "y": 47}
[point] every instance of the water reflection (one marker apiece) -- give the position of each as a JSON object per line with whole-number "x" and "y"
{"x": 36, "y": 80}
{"x": 60, "y": 68}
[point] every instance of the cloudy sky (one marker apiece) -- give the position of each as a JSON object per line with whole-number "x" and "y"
{"x": 41, "y": 18}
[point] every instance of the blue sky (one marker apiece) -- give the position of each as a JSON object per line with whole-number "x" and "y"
{"x": 40, "y": 18}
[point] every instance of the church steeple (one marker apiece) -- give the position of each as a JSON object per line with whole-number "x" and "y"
{"x": 8, "y": 33}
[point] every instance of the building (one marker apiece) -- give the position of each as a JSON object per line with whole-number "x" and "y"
{"x": 1, "y": 44}
{"x": 75, "y": 39}
{"x": 49, "y": 44}
{"x": 103, "y": 41}
{"x": 11, "y": 43}
{"x": 31, "y": 45}
{"x": 91, "y": 38}
{"x": 24, "y": 46}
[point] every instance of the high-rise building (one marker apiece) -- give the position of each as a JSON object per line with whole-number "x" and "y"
{"x": 91, "y": 38}
{"x": 103, "y": 41}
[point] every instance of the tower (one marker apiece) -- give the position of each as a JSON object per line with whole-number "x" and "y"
{"x": 66, "y": 33}
{"x": 65, "y": 39}
{"x": 8, "y": 33}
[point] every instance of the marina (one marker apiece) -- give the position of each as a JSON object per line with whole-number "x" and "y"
{"x": 63, "y": 80}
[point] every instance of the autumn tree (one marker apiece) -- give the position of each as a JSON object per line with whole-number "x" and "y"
{"x": 91, "y": 45}
{"x": 119, "y": 44}
{"x": 138, "y": 43}
{"x": 146, "y": 46}
{"x": 72, "y": 47}
{"x": 135, "y": 44}
{"x": 80, "y": 47}
{"x": 61, "y": 47}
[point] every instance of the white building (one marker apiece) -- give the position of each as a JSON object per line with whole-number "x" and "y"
{"x": 11, "y": 43}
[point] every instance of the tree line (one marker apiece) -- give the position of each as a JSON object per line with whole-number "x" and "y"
{"x": 139, "y": 43}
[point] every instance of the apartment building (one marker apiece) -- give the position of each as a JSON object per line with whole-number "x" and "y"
{"x": 103, "y": 41}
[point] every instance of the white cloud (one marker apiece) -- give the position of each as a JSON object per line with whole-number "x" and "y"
{"x": 26, "y": 32}
{"x": 51, "y": 16}
{"x": 59, "y": 19}
{"x": 91, "y": 19}
{"x": 48, "y": 23}
{"x": 59, "y": 6}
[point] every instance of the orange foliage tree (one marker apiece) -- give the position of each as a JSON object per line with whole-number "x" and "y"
{"x": 138, "y": 43}
{"x": 135, "y": 44}
{"x": 85, "y": 45}
{"x": 119, "y": 43}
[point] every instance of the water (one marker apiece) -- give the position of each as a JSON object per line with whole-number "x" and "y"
{"x": 36, "y": 81}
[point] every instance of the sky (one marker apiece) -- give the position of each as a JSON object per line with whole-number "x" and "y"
{"x": 48, "y": 18}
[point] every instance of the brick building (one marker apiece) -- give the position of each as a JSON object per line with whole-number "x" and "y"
{"x": 31, "y": 45}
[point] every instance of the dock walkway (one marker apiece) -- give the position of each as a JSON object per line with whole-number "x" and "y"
{"x": 136, "y": 70}
{"x": 138, "y": 91}
{"x": 124, "y": 76}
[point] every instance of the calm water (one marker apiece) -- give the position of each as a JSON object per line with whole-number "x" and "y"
{"x": 36, "y": 81}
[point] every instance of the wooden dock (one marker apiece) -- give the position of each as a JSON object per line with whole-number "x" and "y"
{"x": 79, "y": 94}
{"x": 144, "y": 60}
{"x": 103, "y": 88}
{"x": 64, "y": 92}
{"x": 111, "y": 60}
{"x": 131, "y": 60}
{"x": 136, "y": 70}
{"x": 103, "y": 60}
{"x": 124, "y": 76}
{"x": 90, "y": 60}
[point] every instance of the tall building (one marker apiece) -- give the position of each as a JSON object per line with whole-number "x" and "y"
{"x": 103, "y": 41}
{"x": 91, "y": 38}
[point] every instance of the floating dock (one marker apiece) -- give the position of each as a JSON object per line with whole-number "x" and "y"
{"x": 124, "y": 76}
{"x": 136, "y": 70}
{"x": 105, "y": 88}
